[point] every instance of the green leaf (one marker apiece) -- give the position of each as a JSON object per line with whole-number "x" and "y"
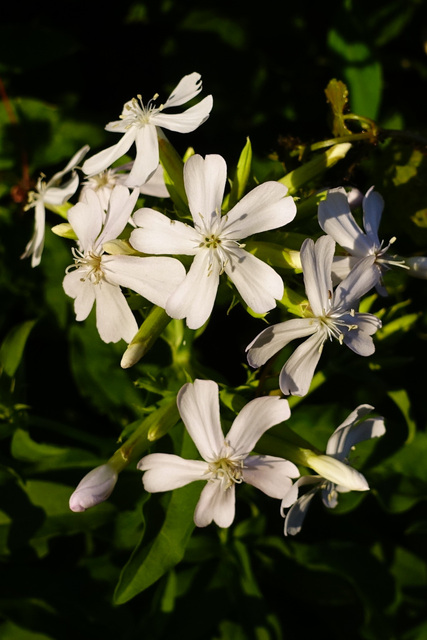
{"x": 241, "y": 177}
{"x": 12, "y": 347}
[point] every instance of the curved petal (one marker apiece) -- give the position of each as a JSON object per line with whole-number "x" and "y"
{"x": 59, "y": 195}
{"x": 269, "y": 474}
{"x": 165, "y": 472}
{"x": 359, "y": 339}
{"x": 120, "y": 208}
{"x": 373, "y": 205}
{"x": 253, "y": 420}
{"x": 292, "y": 494}
{"x": 361, "y": 279}
{"x": 187, "y": 88}
{"x": 186, "y": 121}
{"x": 158, "y": 234}
{"x": 146, "y": 158}
{"x": 258, "y": 283}
{"x": 155, "y": 185}
{"x": 263, "y": 208}
{"x": 87, "y": 218}
{"x": 297, "y": 374}
{"x": 82, "y": 290}
{"x": 195, "y": 297}
{"x": 215, "y": 504}
{"x": 35, "y": 246}
{"x": 316, "y": 260}
{"x": 296, "y": 514}
{"x": 348, "y": 435}
{"x": 114, "y": 318}
{"x": 204, "y": 181}
{"x": 338, "y": 472}
{"x": 274, "y": 338}
{"x": 198, "y": 405}
{"x": 336, "y": 219}
{"x": 153, "y": 278}
{"x": 106, "y": 157}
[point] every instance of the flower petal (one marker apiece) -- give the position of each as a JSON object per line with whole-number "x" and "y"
{"x": 187, "y": 88}
{"x": 215, "y": 504}
{"x": 165, "y": 472}
{"x": 114, "y": 319}
{"x": 35, "y": 246}
{"x": 263, "y": 208}
{"x": 154, "y": 278}
{"x": 336, "y": 219}
{"x": 359, "y": 339}
{"x": 373, "y": 205}
{"x": 274, "y": 338}
{"x": 297, "y": 374}
{"x": 146, "y": 158}
{"x": 253, "y": 420}
{"x": 269, "y": 474}
{"x": 158, "y": 234}
{"x": 194, "y": 298}
{"x": 296, "y": 514}
{"x": 59, "y": 195}
{"x": 187, "y": 121}
{"x": 106, "y": 157}
{"x": 346, "y": 437}
{"x": 86, "y": 218}
{"x": 316, "y": 260}
{"x": 120, "y": 208}
{"x": 204, "y": 181}
{"x": 361, "y": 279}
{"x": 338, "y": 472}
{"x": 82, "y": 290}
{"x": 258, "y": 284}
{"x": 198, "y": 405}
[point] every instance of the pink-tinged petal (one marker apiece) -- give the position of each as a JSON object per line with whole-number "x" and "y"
{"x": 352, "y": 431}
{"x": 187, "y": 121}
{"x": 253, "y": 421}
{"x": 114, "y": 318}
{"x": 361, "y": 279}
{"x": 153, "y": 278}
{"x": 106, "y": 157}
{"x": 263, "y": 208}
{"x": 258, "y": 284}
{"x": 215, "y": 504}
{"x": 204, "y": 181}
{"x": 270, "y": 475}
{"x": 146, "y": 158}
{"x": 78, "y": 286}
{"x": 296, "y": 514}
{"x": 87, "y": 218}
{"x": 187, "y": 88}
{"x": 166, "y": 472}
{"x": 373, "y": 205}
{"x": 336, "y": 219}
{"x": 94, "y": 488}
{"x": 198, "y": 405}
{"x": 316, "y": 260}
{"x": 35, "y": 246}
{"x": 297, "y": 374}
{"x": 120, "y": 208}
{"x": 195, "y": 297}
{"x": 274, "y": 338}
{"x": 158, "y": 234}
{"x": 59, "y": 195}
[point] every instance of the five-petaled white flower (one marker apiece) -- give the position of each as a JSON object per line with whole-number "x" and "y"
{"x": 336, "y": 219}
{"x": 226, "y": 460}
{"x": 342, "y": 441}
{"x": 214, "y": 240}
{"x": 142, "y": 124}
{"x": 330, "y": 314}
{"x": 97, "y": 276}
{"x": 54, "y": 193}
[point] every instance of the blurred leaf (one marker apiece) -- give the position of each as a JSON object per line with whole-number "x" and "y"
{"x": 12, "y": 347}
{"x": 337, "y": 96}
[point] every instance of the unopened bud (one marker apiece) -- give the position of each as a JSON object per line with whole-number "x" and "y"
{"x": 94, "y": 488}
{"x": 337, "y": 472}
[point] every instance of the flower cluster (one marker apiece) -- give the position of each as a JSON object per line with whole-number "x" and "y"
{"x": 177, "y": 262}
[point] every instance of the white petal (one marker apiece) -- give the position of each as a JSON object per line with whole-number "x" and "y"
{"x": 204, "y": 181}
{"x": 186, "y": 89}
{"x": 147, "y": 156}
{"x": 292, "y": 494}
{"x": 114, "y": 319}
{"x": 120, "y": 207}
{"x": 359, "y": 340}
{"x": 258, "y": 284}
{"x": 215, "y": 504}
{"x": 274, "y": 338}
{"x": 263, "y": 208}
{"x": 348, "y": 435}
{"x": 155, "y": 185}
{"x": 77, "y": 286}
{"x": 336, "y": 219}
{"x": 159, "y": 234}
{"x": 87, "y": 218}
{"x": 296, "y": 514}
{"x": 73, "y": 162}
{"x": 316, "y": 260}
{"x": 373, "y": 205}
{"x": 341, "y": 267}
{"x": 269, "y": 474}
{"x": 297, "y": 374}
{"x": 106, "y": 157}
{"x": 361, "y": 279}
{"x": 253, "y": 420}
{"x": 195, "y": 297}
{"x": 36, "y": 244}
{"x": 153, "y": 278}
{"x": 165, "y": 472}
{"x": 187, "y": 121}
{"x": 198, "y": 405}
{"x": 94, "y": 488}
{"x": 59, "y": 195}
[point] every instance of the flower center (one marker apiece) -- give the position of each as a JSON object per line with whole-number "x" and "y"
{"x": 227, "y": 469}
{"x": 333, "y": 326}
{"x": 89, "y": 263}
{"x": 139, "y": 114}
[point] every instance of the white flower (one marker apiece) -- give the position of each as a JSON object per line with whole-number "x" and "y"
{"x": 214, "y": 240}
{"x": 53, "y": 193}
{"x": 344, "y": 438}
{"x": 226, "y": 460}
{"x": 336, "y": 219}
{"x": 96, "y": 276}
{"x": 94, "y": 488}
{"x": 103, "y": 183}
{"x": 140, "y": 124}
{"x": 331, "y": 314}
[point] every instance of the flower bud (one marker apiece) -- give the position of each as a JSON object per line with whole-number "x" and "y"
{"x": 417, "y": 266}
{"x": 94, "y": 488}
{"x": 337, "y": 472}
